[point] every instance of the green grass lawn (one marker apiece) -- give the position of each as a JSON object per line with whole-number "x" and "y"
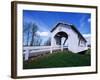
{"x": 59, "y": 59}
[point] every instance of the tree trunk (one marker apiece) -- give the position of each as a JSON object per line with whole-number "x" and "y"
{"x": 32, "y": 40}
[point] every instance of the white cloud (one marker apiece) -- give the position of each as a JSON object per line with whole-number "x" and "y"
{"x": 82, "y": 25}
{"x": 89, "y": 20}
{"x": 87, "y": 35}
{"x": 88, "y": 38}
{"x": 42, "y": 33}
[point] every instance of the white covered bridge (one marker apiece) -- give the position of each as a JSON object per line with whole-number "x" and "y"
{"x": 62, "y": 36}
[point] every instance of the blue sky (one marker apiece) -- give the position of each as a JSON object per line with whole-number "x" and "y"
{"x": 46, "y": 20}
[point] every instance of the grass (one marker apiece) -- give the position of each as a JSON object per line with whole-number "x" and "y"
{"x": 59, "y": 59}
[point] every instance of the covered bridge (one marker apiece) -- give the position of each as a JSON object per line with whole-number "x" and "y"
{"x": 67, "y": 35}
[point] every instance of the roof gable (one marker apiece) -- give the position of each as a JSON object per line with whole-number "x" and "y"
{"x": 72, "y": 27}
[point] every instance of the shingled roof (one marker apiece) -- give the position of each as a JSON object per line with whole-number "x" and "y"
{"x": 72, "y": 26}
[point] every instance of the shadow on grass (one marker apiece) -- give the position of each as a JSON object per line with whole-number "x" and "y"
{"x": 85, "y": 52}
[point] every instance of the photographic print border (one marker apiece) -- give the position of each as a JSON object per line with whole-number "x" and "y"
{"x": 14, "y": 37}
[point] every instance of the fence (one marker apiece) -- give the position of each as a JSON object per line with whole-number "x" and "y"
{"x": 39, "y": 50}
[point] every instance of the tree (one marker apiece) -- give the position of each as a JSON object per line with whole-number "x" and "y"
{"x": 31, "y": 38}
{"x": 34, "y": 29}
{"x": 48, "y": 42}
{"x": 38, "y": 41}
{"x": 26, "y": 32}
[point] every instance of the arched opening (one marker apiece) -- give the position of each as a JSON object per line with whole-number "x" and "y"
{"x": 61, "y": 38}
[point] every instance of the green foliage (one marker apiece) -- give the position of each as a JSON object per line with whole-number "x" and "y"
{"x": 59, "y": 59}
{"x": 88, "y": 51}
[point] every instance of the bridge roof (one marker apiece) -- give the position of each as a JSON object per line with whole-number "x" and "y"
{"x": 72, "y": 26}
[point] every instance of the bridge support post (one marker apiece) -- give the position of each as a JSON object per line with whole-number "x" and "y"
{"x": 61, "y": 47}
{"x": 62, "y": 41}
{"x": 51, "y": 48}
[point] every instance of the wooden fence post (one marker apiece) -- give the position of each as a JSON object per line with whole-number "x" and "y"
{"x": 27, "y": 55}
